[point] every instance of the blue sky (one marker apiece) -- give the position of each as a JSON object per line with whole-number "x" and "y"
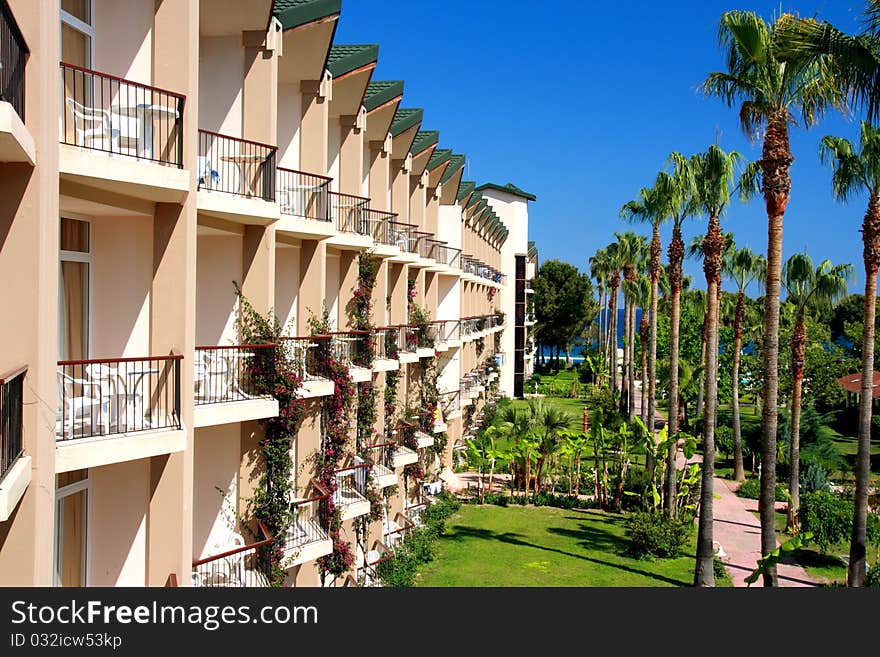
{"x": 582, "y": 103}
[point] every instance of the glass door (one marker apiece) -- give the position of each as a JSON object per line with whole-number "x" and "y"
{"x": 74, "y": 290}
{"x": 71, "y": 528}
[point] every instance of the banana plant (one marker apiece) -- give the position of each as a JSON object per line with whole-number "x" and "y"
{"x": 772, "y": 559}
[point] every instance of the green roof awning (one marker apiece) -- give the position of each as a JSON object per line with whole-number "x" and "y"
{"x": 345, "y": 59}
{"x": 424, "y": 140}
{"x": 510, "y": 188}
{"x": 456, "y": 162}
{"x": 379, "y": 93}
{"x": 465, "y": 189}
{"x": 533, "y": 250}
{"x": 476, "y": 197}
{"x": 293, "y": 13}
{"x": 440, "y": 156}
{"x": 405, "y": 119}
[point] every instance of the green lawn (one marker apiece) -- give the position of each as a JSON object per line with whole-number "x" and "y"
{"x": 543, "y": 546}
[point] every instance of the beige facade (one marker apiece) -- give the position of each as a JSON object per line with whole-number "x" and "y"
{"x": 159, "y": 160}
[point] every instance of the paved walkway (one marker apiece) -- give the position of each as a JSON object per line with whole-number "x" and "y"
{"x": 738, "y": 531}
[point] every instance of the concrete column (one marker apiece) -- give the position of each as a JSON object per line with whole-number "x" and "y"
{"x": 432, "y": 285}
{"x": 258, "y": 267}
{"x": 417, "y": 201}
{"x": 419, "y": 277}
{"x": 316, "y": 95}
{"x": 29, "y": 265}
{"x": 380, "y": 175}
{"x": 380, "y": 294}
{"x": 397, "y": 277}
{"x": 432, "y": 211}
{"x": 259, "y": 89}
{"x": 351, "y": 153}
{"x": 313, "y": 281}
{"x": 348, "y": 273}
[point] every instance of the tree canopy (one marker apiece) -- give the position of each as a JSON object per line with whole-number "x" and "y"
{"x": 564, "y": 303}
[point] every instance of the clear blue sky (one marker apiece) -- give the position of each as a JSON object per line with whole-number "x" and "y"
{"x": 581, "y": 104}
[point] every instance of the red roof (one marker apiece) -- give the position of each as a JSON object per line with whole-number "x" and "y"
{"x": 853, "y": 383}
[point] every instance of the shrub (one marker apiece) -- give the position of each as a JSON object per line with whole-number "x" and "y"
{"x": 872, "y": 577}
{"x": 638, "y": 482}
{"x": 724, "y": 440}
{"x": 657, "y": 535}
{"x": 720, "y": 571}
{"x": 751, "y": 489}
{"x": 814, "y": 478}
{"x": 828, "y": 517}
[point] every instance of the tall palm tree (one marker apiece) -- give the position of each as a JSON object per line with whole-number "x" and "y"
{"x": 858, "y": 171}
{"x": 714, "y": 178}
{"x": 615, "y": 265}
{"x": 631, "y": 250}
{"x": 599, "y": 271}
{"x": 678, "y": 191}
{"x": 771, "y": 94}
{"x": 646, "y": 295}
{"x": 653, "y": 207}
{"x": 547, "y": 422}
{"x": 807, "y": 287}
{"x": 743, "y": 267}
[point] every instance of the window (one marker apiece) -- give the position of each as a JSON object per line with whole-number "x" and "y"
{"x": 77, "y": 33}
{"x": 74, "y": 289}
{"x": 72, "y": 500}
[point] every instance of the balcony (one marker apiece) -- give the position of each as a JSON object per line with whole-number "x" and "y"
{"x": 450, "y": 404}
{"x": 380, "y": 457}
{"x": 121, "y": 136}
{"x": 16, "y": 142}
{"x": 350, "y": 494}
{"x": 355, "y": 350}
{"x": 530, "y": 319}
{"x": 446, "y": 255}
{"x": 236, "y": 179}
{"x": 388, "y": 237}
{"x": 241, "y": 566}
{"x": 225, "y": 390}
{"x": 113, "y": 410}
{"x": 401, "y": 236}
{"x": 529, "y": 287}
{"x": 386, "y": 359}
{"x": 301, "y": 354}
{"x": 423, "y": 439}
{"x": 414, "y": 512}
{"x": 15, "y": 468}
{"x": 402, "y": 456}
{"x": 366, "y": 574}
{"x": 423, "y": 247}
{"x": 304, "y": 202}
{"x": 307, "y": 538}
{"x": 394, "y": 531}
{"x": 351, "y": 220}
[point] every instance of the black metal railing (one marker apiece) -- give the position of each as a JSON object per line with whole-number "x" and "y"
{"x": 241, "y": 567}
{"x": 310, "y": 519}
{"x": 101, "y": 397}
{"x": 403, "y": 236}
{"x": 447, "y": 255}
{"x": 301, "y": 352}
{"x": 11, "y": 421}
{"x": 423, "y": 244}
{"x": 348, "y": 213}
{"x": 112, "y": 115}
{"x": 231, "y": 373}
{"x": 304, "y": 195}
{"x": 383, "y": 225}
{"x": 451, "y": 330}
{"x": 351, "y": 484}
{"x": 353, "y": 348}
{"x": 13, "y": 57}
{"x": 450, "y": 401}
{"x": 236, "y": 166}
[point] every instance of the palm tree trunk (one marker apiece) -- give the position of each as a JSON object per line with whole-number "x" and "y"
{"x": 643, "y": 348}
{"x": 632, "y": 360}
{"x": 612, "y": 342}
{"x": 738, "y": 322}
{"x": 713, "y": 247}
{"x": 857, "y": 546}
{"x": 798, "y": 348}
{"x": 676, "y": 255}
{"x": 775, "y": 163}
{"x": 703, "y": 338}
{"x": 624, "y": 381}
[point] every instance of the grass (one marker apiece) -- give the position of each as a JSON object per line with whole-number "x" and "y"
{"x": 542, "y": 546}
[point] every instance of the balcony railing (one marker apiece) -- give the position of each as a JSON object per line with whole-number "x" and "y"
{"x": 380, "y": 457}
{"x": 414, "y": 512}
{"x": 383, "y": 227}
{"x": 348, "y": 213}
{"x": 353, "y": 348}
{"x": 451, "y": 330}
{"x": 102, "y": 397}
{"x": 447, "y": 255}
{"x": 404, "y": 236}
{"x": 351, "y": 485}
{"x": 302, "y": 354}
{"x": 225, "y": 374}
{"x": 304, "y": 195}
{"x": 423, "y": 245}
{"x": 109, "y": 114}
{"x": 236, "y": 166}
{"x": 11, "y": 407}
{"x": 450, "y": 401}
{"x": 310, "y": 518}
{"x": 387, "y": 345}
{"x": 394, "y": 531}
{"x": 240, "y": 567}
{"x": 13, "y": 54}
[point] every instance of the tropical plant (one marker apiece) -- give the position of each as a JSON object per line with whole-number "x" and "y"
{"x": 743, "y": 267}
{"x": 814, "y": 288}
{"x": 771, "y": 93}
{"x": 632, "y": 251}
{"x": 856, "y": 171}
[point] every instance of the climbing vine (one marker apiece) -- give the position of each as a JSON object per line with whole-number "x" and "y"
{"x": 271, "y": 372}
{"x": 335, "y": 426}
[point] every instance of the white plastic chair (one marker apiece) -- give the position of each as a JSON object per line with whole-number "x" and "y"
{"x": 93, "y": 124}
{"x": 217, "y": 379}
{"x": 208, "y": 176}
{"x": 83, "y": 410}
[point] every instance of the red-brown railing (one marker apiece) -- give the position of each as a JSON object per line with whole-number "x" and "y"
{"x": 240, "y": 567}
{"x": 110, "y": 114}
{"x": 236, "y": 166}
{"x": 309, "y": 520}
{"x": 227, "y": 373}
{"x": 348, "y": 213}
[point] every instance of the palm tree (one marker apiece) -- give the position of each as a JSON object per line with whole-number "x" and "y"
{"x": 547, "y": 421}
{"x": 653, "y": 207}
{"x": 615, "y": 264}
{"x": 815, "y": 288}
{"x": 678, "y": 191}
{"x": 714, "y": 177}
{"x": 646, "y": 291}
{"x": 743, "y": 267}
{"x": 856, "y": 171}
{"x": 599, "y": 271}
{"x": 771, "y": 94}
{"x": 631, "y": 250}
